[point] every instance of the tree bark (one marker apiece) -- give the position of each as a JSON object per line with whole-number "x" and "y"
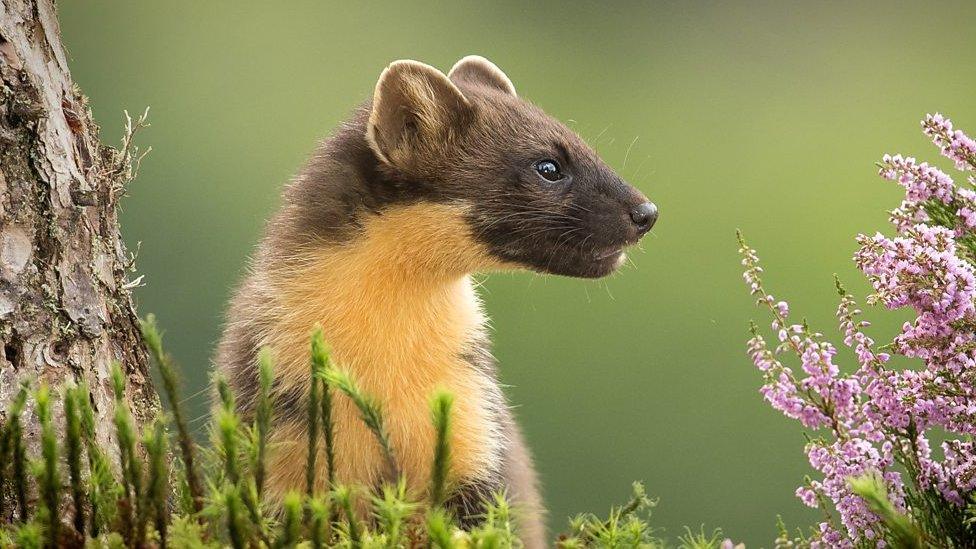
{"x": 65, "y": 308}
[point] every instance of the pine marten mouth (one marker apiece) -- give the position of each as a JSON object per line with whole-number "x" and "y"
{"x": 607, "y": 254}
{"x": 591, "y": 263}
{"x": 606, "y": 260}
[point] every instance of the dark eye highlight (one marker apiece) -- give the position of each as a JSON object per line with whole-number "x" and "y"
{"x": 548, "y": 169}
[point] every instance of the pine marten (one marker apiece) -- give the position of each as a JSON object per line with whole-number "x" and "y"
{"x": 437, "y": 177}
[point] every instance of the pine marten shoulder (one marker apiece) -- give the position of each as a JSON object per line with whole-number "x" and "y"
{"x": 437, "y": 177}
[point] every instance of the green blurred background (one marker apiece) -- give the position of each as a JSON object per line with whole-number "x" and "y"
{"x": 765, "y": 116}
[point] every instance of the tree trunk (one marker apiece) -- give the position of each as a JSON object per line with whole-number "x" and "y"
{"x": 65, "y": 308}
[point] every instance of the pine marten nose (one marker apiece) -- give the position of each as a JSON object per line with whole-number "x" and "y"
{"x": 644, "y": 215}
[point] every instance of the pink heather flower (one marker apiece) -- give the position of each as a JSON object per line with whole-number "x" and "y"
{"x": 954, "y": 144}
{"x": 965, "y": 210}
{"x": 960, "y": 469}
{"x": 841, "y": 460}
{"x": 907, "y": 216}
{"x": 855, "y": 337}
{"x": 829, "y": 538}
{"x": 874, "y": 419}
{"x": 807, "y": 495}
{"x": 920, "y": 269}
{"x": 921, "y": 181}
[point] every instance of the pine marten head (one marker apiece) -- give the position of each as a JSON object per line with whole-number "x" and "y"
{"x": 525, "y": 189}
{"x": 539, "y": 196}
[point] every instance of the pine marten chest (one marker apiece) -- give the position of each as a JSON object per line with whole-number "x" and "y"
{"x": 403, "y": 328}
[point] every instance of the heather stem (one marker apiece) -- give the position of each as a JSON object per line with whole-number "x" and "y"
{"x": 263, "y": 416}
{"x": 320, "y": 357}
{"x": 50, "y": 484}
{"x": 228, "y": 423}
{"x": 20, "y": 466}
{"x": 441, "y": 406}
{"x": 313, "y": 430}
{"x": 292, "y": 507}
{"x": 131, "y": 473}
{"x": 371, "y": 413}
{"x": 96, "y": 459}
{"x": 154, "y": 340}
{"x": 343, "y": 496}
{"x": 73, "y": 443}
{"x": 780, "y": 319}
{"x": 14, "y": 445}
{"x": 233, "y": 500}
{"x": 320, "y": 517}
{"x": 155, "y": 442}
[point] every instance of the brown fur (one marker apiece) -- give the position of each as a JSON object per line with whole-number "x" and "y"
{"x": 376, "y": 241}
{"x": 475, "y": 68}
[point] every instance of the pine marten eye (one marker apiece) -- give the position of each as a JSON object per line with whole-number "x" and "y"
{"x": 549, "y": 170}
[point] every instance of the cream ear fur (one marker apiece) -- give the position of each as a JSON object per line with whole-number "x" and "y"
{"x": 475, "y": 68}
{"x": 412, "y": 100}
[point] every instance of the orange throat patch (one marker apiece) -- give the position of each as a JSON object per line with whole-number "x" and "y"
{"x": 399, "y": 311}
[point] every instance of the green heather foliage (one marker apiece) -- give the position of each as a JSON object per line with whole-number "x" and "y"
{"x": 441, "y": 415}
{"x": 208, "y": 497}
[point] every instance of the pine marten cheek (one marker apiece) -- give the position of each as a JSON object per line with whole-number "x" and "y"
{"x": 493, "y": 260}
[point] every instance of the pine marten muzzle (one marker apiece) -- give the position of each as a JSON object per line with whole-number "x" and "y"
{"x": 436, "y": 178}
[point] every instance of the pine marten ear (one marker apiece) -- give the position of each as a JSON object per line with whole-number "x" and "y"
{"x": 478, "y": 70}
{"x": 416, "y": 109}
